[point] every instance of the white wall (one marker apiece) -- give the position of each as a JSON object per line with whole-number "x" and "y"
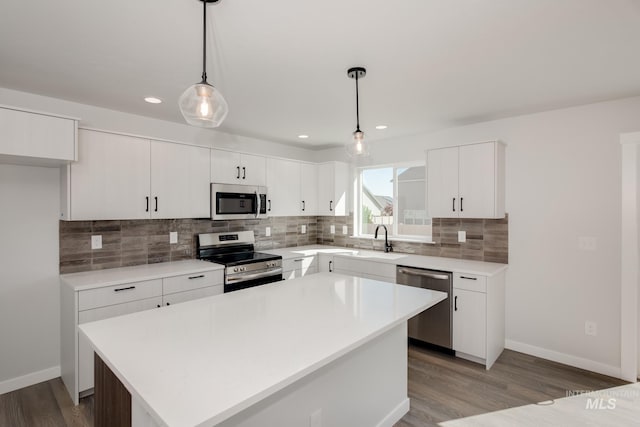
{"x": 116, "y": 121}
{"x": 29, "y": 286}
{"x": 563, "y": 175}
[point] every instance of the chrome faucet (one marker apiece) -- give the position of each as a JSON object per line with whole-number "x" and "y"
{"x": 387, "y": 245}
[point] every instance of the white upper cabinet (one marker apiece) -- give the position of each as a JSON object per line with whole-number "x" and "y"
{"x": 283, "y": 187}
{"x": 229, "y": 167}
{"x": 179, "y": 181}
{"x": 332, "y": 189}
{"x": 466, "y": 181}
{"x": 38, "y": 139}
{"x": 124, "y": 177}
{"x": 111, "y": 178}
{"x": 309, "y": 189}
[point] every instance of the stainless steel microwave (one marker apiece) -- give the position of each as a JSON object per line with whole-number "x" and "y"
{"x": 231, "y": 201}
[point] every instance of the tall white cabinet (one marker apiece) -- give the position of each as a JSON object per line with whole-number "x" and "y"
{"x": 283, "y": 186}
{"x": 124, "y": 177}
{"x": 466, "y": 181}
{"x": 333, "y": 189}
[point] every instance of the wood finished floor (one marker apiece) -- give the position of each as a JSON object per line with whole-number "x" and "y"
{"x": 441, "y": 387}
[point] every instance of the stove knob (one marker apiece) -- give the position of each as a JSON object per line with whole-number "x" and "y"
{"x": 235, "y": 270}
{"x": 242, "y": 268}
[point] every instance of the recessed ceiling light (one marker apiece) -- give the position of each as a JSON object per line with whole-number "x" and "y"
{"x": 153, "y": 100}
{"x": 303, "y": 136}
{"x": 381, "y": 127}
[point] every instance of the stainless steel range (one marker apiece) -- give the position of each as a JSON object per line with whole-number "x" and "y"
{"x": 244, "y": 268}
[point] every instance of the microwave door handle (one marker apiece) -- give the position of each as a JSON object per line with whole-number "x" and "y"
{"x": 258, "y": 204}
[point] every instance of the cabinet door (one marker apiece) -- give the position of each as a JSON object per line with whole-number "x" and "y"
{"x": 326, "y": 187}
{"x": 111, "y": 179}
{"x": 85, "y": 352}
{"x": 36, "y": 135}
{"x": 309, "y": 189}
{"x": 253, "y": 170}
{"x": 442, "y": 183}
{"x": 469, "y": 322}
{"x": 283, "y": 182}
{"x": 191, "y": 295}
{"x": 325, "y": 263}
{"x": 477, "y": 180}
{"x": 179, "y": 181}
{"x": 225, "y": 167}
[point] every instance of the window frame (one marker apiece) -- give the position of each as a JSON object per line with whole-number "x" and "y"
{"x": 393, "y": 232}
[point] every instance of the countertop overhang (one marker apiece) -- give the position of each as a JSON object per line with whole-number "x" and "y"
{"x": 201, "y": 362}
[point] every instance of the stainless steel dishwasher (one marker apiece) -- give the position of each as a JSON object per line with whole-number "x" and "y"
{"x": 433, "y": 325}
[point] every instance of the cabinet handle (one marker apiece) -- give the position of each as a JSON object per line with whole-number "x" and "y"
{"x": 156, "y": 199}
{"x": 196, "y": 277}
{"x": 468, "y": 278}
{"x": 244, "y": 173}
{"x": 147, "y": 209}
{"x": 461, "y": 199}
{"x": 158, "y": 305}
{"x": 168, "y": 303}
{"x": 269, "y": 205}
{"x": 330, "y": 266}
{"x": 124, "y": 289}
{"x": 238, "y": 176}
{"x": 454, "y": 204}
{"x": 330, "y": 205}
{"x": 455, "y": 303}
{"x": 297, "y": 260}
{"x": 303, "y": 206}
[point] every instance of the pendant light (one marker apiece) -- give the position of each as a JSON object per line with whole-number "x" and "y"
{"x": 202, "y": 104}
{"x": 357, "y": 147}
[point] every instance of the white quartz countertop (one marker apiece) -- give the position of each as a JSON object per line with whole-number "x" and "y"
{"x": 397, "y": 258}
{"x": 200, "y": 362}
{"x": 117, "y": 276}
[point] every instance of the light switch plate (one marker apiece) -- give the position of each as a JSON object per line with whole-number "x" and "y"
{"x": 173, "y": 237}
{"x": 303, "y": 229}
{"x": 332, "y": 229}
{"x": 345, "y": 229}
{"x": 462, "y": 236}
{"x": 267, "y": 232}
{"x": 96, "y": 242}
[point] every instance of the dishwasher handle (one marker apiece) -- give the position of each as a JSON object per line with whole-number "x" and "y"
{"x": 423, "y": 273}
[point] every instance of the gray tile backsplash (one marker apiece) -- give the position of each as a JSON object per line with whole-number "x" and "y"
{"x": 135, "y": 242}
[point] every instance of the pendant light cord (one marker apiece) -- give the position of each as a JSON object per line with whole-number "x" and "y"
{"x": 204, "y": 43}
{"x": 357, "y": 106}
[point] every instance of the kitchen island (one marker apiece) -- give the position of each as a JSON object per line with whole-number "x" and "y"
{"x": 323, "y": 350}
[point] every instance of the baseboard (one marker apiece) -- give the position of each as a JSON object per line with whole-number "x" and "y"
{"x": 567, "y": 359}
{"x": 395, "y": 415}
{"x": 29, "y": 379}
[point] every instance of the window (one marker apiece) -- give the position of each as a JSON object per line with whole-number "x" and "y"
{"x": 396, "y": 197}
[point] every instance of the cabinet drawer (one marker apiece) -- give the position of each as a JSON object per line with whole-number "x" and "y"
{"x": 110, "y": 295}
{"x": 470, "y": 282}
{"x": 187, "y": 282}
{"x": 361, "y": 266}
{"x": 305, "y": 263}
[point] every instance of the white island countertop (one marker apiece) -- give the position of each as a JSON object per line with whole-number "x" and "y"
{"x": 200, "y": 362}
{"x": 397, "y": 258}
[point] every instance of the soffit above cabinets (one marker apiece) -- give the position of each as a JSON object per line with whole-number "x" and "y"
{"x": 281, "y": 65}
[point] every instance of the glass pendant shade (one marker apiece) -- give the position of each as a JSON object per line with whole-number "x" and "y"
{"x": 203, "y": 105}
{"x": 358, "y": 146}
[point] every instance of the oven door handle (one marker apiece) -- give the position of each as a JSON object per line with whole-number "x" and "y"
{"x": 246, "y": 277}
{"x": 258, "y": 204}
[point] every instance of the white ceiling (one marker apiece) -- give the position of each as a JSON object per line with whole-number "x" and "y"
{"x": 282, "y": 64}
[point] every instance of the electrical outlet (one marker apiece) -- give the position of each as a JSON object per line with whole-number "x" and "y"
{"x": 96, "y": 242}
{"x": 173, "y": 237}
{"x": 345, "y": 229}
{"x": 587, "y": 243}
{"x": 590, "y": 328}
{"x": 462, "y": 236}
{"x": 303, "y": 229}
{"x": 267, "y": 232}
{"x": 332, "y": 229}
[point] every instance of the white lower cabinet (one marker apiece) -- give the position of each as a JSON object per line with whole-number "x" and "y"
{"x": 478, "y": 317}
{"x": 103, "y": 302}
{"x": 294, "y": 268}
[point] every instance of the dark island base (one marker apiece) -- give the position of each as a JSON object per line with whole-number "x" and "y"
{"x": 112, "y": 400}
